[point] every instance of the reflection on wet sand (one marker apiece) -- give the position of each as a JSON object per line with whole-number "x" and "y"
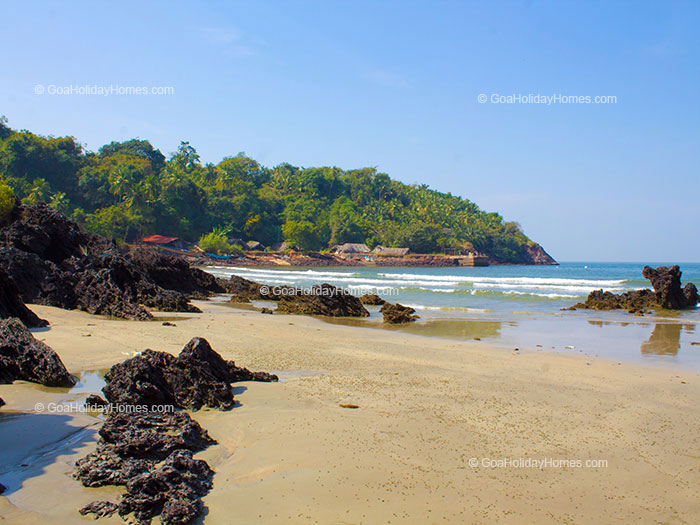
{"x": 665, "y": 339}
{"x": 449, "y": 328}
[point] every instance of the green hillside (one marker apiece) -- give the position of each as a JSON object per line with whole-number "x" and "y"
{"x": 129, "y": 189}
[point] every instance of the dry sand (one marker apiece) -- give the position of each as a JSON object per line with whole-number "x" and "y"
{"x": 290, "y": 454}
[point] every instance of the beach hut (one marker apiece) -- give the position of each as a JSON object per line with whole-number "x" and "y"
{"x": 395, "y": 252}
{"x": 254, "y": 246}
{"x": 283, "y": 247}
{"x": 350, "y": 247}
{"x": 164, "y": 242}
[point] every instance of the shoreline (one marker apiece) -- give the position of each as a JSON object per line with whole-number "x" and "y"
{"x": 427, "y": 406}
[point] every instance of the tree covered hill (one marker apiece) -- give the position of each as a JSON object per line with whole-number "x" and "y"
{"x": 129, "y": 189}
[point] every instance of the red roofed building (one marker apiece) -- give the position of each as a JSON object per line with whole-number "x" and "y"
{"x": 165, "y": 242}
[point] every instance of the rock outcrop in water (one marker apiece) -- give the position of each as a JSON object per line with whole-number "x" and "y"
{"x": 52, "y": 261}
{"x": 324, "y": 299}
{"x": 667, "y": 293}
{"x": 398, "y": 313}
{"x": 372, "y": 299}
{"x": 666, "y": 282}
{"x": 11, "y": 305}
{"x": 197, "y": 377}
{"x": 23, "y": 357}
{"x": 130, "y": 451}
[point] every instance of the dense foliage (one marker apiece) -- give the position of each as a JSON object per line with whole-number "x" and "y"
{"x": 129, "y": 189}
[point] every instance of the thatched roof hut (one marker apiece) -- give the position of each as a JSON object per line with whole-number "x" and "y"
{"x": 350, "y": 247}
{"x": 255, "y": 246}
{"x": 385, "y": 250}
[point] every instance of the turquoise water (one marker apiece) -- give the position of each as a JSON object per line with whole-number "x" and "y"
{"x": 516, "y": 305}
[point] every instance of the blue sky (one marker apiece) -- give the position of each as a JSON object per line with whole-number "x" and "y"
{"x": 395, "y": 85}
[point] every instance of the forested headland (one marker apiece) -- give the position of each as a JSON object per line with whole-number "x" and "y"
{"x": 129, "y": 189}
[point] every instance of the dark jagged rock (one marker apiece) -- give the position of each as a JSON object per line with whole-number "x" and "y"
{"x": 667, "y": 294}
{"x": 3, "y": 488}
{"x": 324, "y": 299}
{"x": 153, "y": 435}
{"x": 11, "y": 304}
{"x": 398, "y": 313}
{"x": 93, "y": 400}
{"x": 666, "y": 282}
{"x": 637, "y": 301}
{"x": 172, "y": 491}
{"x": 197, "y": 377}
{"x": 128, "y": 453}
{"x": 243, "y": 290}
{"x": 101, "y": 509}
{"x": 266, "y": 311}
{"x": 533, "y": 253}
{"x": 131, "y": 444}
{"x": 2, "y": 402}
{"x": 23, "y": 357}
{"x": 372, "y": 299}
{"x": 173, "y": 273}
{"x": 52, "y": 262}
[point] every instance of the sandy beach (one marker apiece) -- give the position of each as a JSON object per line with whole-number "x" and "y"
{"x": 445, "y": 432}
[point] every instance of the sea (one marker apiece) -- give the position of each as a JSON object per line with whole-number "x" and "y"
{"x": 517, "y": 307}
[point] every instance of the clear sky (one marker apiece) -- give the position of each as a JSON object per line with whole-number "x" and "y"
{"x": 395, "y": 85}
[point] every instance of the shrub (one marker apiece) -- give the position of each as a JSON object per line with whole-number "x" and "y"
{"x": 216, "y": 242}
{"x": 7, "y": 201}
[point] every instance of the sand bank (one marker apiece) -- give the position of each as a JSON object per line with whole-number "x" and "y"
{"x": 436, "y": 422}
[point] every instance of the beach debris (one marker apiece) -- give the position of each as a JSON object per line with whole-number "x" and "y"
{"x": 323, "y": 299}
{"x": 197, "y": 377}
{"x": 372, "y": 299}
{"x": 151, "y": 454}
{"x": 168, "y": 323}
{"x": 349, "y": 405}
{"x": 477, "y": 339}
{"x": 666, "y": 281}
{"x": 266, "y": 311}
{"x": 11, "y": 304}
{"x": 23, "y": 357}
{"x": 398, "y": 313}
{"x": 695, "y": 343}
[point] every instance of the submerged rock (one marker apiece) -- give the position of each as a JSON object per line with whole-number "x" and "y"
{"x": 398, "y": 313}
{"x": 324, "y": 299}
{"x": 11, "y": 304}
{"x": 129, "y": 453}
{"x": 372, "y": 299}
{"x": 23, "y": 357}
{"x": 197, "y": 377}
{"x": 667, "y": 293}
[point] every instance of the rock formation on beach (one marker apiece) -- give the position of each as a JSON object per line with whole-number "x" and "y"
{"x": 667, "y": 293}
{"x": 130, "y": 451}
{"x": 398, "y": 313}
{"x": 197, "y": 377}
{"x": 11, "y": 304}
{"x": 666, "y": 282}
{"x": 324, "y": 299}
{"x": 23, "y": 357}
{"x": 372, "y": 299}
{"x": 52, "y": 261}
{"x": 151, "y": 453}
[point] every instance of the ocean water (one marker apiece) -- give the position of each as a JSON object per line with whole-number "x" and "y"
{"x": 519, "y": 306}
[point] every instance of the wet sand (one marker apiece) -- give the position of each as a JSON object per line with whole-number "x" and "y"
{"x": 427, "y": 408}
